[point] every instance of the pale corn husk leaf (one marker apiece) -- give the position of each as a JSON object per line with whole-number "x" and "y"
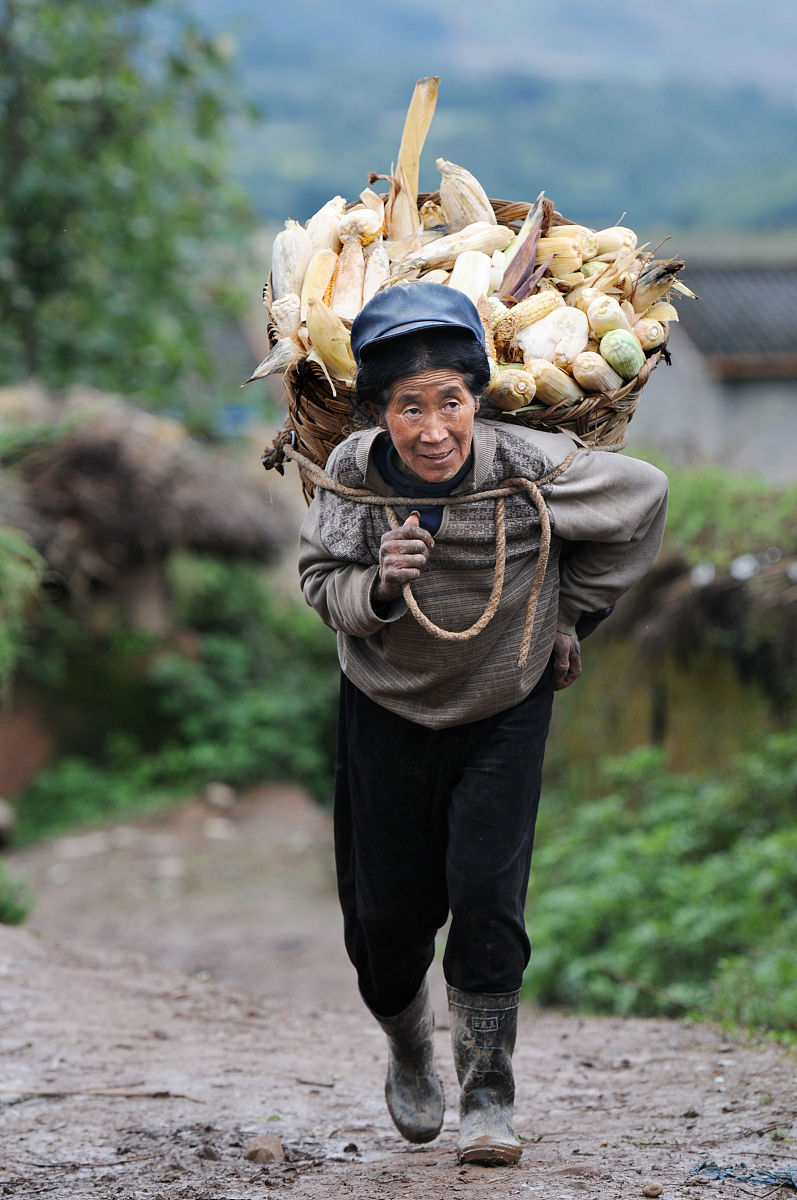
{"x": 347, "y": 289}
{"x": 322, "y": 228}
{"x": 377, "y": 270}
{"x": 280, "y": 357}
{"x": 402, "y": 208}
{"x": 318, "y": 277}
{"x": 463, "y": 198}
{"x": 444, "y": 251}
{"x": 286, "y": 315}
{"x": 331, "y": 341}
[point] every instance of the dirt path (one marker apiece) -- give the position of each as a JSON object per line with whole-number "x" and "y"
{"x": 181, "y": 988}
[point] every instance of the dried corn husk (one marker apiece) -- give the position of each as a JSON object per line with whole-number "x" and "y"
{"x": 322, "y": 228}
{"x": 286, "y": 315}
{"x": 401, "y": 209}
{"x": 654, "y": 280}
{"x": 318, "y": 277}
{"x": 444, "y": 251}
{"x": 290, "y": 256}
{"x": 584, "y": 236}
{"x": 331, "y": 342}
{"x": 347, "y": 290}
{"x": 282, "y": 355}
{"x": 377, "y": 269}
{"x": 462, "y": 197}
{"x": 661, "y": 311}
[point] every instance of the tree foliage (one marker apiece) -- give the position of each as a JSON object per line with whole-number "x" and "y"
{"x": 115, "y": 207}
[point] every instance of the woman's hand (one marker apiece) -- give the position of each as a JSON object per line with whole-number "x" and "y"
{"x": 566, "y": 660}
{"x": 403, "y": 554}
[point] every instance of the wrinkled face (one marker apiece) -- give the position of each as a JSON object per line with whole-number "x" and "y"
{"x": 429, "y": 417}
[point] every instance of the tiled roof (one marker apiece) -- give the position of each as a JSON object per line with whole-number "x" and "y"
{"x": 745, "y": 319}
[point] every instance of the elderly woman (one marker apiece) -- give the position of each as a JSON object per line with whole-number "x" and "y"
{"x": 441, "y": 740}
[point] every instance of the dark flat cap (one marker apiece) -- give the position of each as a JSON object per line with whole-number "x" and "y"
{"x": 409, "y": 308}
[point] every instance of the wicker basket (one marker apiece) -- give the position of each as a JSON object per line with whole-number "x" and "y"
{"x": 317, "y": 420}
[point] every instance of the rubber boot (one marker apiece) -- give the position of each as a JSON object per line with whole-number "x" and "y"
{"x": 413, "y": 1091}
{"x": 483, "y": 1031}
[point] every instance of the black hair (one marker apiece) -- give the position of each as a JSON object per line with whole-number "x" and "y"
{"x": 409, "y": 354}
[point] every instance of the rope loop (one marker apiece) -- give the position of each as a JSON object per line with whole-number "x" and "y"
{"x": 511, "y": 487}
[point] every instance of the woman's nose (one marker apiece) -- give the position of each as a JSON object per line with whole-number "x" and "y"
{"x": 434, "y": 429}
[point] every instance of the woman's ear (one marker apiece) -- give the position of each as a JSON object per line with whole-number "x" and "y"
{"x": 378, "y": 417}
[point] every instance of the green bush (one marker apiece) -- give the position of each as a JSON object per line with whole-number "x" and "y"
{"x": 21, "y": 569}
{"x": 250, "y": 695}
{"x": 672, "y": 894}
{"x": 15, "y": 901}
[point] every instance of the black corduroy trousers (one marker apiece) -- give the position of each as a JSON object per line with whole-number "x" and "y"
{"x": 429, "y": 822}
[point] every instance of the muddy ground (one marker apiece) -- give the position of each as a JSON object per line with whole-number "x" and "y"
{"x": 181, "y": 989}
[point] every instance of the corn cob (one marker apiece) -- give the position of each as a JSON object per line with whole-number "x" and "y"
{"x": 463, "y": 198}
{"x": 318, "y": 277}
{"x": 515, "y": 320}
{"x": 322, "y": 227}
{"x": 564, "y": 252}
{"x": 593, "y": 372}
{"x": 436, "y": 276}
{"x": 330, "y": 341}
{"x": 584, "y": 236}
{"x": 347, "y": 290}
{"x": 444, "y": 251}
{"x": 291, "y": 253}
{"x": 616, "y": 237}
{"x": 650, "y": 333}
{"x": 377, "y": 269}
{"x": 364, "y": 223}
{"x": 553, "y": 385}
{"x": 286, "y": 315}
{"x": 432, "y": 214}
{"x": 604, "y": 313}
{"x": 511, "y": 388}
{"x": 559, "y": 336}
{"x": 471, "y": 274}
{"x": 623, "y": 352}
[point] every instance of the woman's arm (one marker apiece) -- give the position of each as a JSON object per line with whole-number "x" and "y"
{"x": 612, "y": 509}
{"x": 354, "y": 598}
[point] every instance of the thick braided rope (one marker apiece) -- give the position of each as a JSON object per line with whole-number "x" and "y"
{"x": 320, "y": 478}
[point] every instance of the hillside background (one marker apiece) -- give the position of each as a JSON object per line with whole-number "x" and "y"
{"x": 682, "y": 116}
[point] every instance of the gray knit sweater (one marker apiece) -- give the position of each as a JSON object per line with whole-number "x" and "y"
{"x": 610, "y": 508}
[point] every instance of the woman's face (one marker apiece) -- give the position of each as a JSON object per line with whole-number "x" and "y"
{"x": 429, "y": 417}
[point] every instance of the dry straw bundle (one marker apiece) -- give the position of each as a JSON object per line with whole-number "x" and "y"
{"x": 575, "y": 319}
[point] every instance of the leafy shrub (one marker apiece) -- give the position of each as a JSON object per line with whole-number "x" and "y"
{"x": 251, "y": 695}
{"x": 15, "y": 901}
{"x": 672, "y": 894}
{"x": 21, "y": 570}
